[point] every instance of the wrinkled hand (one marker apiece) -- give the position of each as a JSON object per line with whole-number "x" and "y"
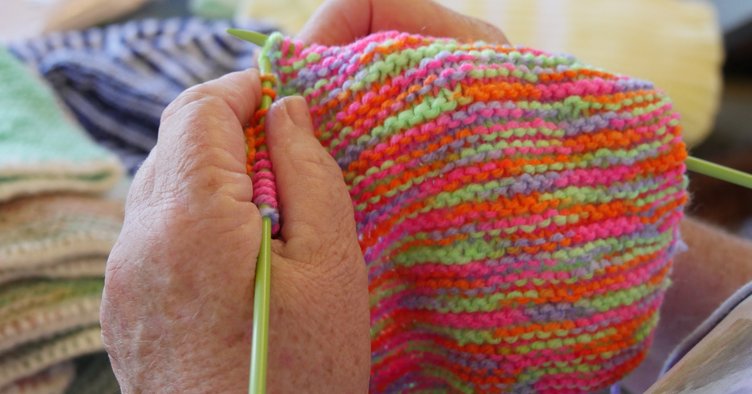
{"x": 177, "y": 305}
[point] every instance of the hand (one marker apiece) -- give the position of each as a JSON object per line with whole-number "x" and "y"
{"x": 340, "y": 22}
{"x": 177, "y": 306}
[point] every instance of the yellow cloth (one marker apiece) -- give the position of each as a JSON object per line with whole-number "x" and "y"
{"x": 675, "y": 44}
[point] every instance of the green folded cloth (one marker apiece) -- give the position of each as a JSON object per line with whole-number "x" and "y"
{"x": 41, "y": 149}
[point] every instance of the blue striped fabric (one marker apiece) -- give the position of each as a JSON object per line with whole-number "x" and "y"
{"x": 118, "y": 79}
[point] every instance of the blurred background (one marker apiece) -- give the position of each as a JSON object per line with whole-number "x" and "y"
{"x": 114, "y": 65}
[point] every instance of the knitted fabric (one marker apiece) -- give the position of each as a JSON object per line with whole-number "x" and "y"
{"x": 40, "y": 149}
{"x": 118, "y": 79}
{"x": 50, "y": 381}
{"x": 47, "y": 235}
{"x": 53, "y": 250}
{"x": 38, "y": 309}
{"x": 517, "y": 210}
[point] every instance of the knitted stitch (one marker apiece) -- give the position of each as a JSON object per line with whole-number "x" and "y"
{"x": 517, "y": 210}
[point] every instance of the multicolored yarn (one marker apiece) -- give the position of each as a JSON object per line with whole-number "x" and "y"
{"x": 517, "y": 210}
{"x": 258, "y": 161}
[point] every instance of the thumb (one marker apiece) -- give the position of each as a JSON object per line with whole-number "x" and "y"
{"x": 315, "y": 206}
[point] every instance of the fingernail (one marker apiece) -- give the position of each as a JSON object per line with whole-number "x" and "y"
{"x": 297, "y": 110}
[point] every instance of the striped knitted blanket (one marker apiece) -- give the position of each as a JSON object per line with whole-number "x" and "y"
{"x": 517, "y": 210}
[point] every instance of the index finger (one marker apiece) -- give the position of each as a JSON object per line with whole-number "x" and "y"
{"x": 340, "y": 22}
{"x": 212, "y": 113}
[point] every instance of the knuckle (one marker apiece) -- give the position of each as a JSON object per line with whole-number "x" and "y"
{"x": 195, "y": 98}
{"x": 495, "y": 32}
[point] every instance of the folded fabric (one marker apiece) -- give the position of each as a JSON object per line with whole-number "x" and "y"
{"x": 38, "y": 309}
{"x": 38, "y": 356}
{"x": 118, "y": 79}
{"x": 50, "y": 381}
{"x": 40, "y": 149}
{"x": 50, "y": 234}
{"x": 53, "y": 250}
{"x": 77, "y": 267}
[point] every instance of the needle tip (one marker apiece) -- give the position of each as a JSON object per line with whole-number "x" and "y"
{"x": 250, "y": 36}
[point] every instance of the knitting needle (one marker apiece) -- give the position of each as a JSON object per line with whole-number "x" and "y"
{"x": 261, "y": 298}
{"x": 250, "y": 36}
{"x": 719, "y": 172}
{"x": 262, "y": 284}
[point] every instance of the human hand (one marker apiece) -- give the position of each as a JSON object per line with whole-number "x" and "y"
{"x": 340, "y": 22}
{"x": 177, "y": 306}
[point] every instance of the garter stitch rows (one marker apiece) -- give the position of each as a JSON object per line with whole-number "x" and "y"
{"x": 517, "y": 210}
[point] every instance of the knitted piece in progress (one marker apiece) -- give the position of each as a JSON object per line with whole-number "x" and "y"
{"x": 517, "y": 210}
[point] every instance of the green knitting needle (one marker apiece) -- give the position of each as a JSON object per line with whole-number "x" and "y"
{"x": 250, "y": 36}
{"x": 719, "y": 172}
{"x": 260, "y": 346}
{"x": 262, "y": 294}
{"x": 262, "y": 285}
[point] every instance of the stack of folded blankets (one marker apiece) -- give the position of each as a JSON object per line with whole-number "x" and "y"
{"x": 56, "y": 230}
{"x": 56, "y": 227}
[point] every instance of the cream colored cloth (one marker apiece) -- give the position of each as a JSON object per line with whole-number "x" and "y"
{"x": 28, "y": 18}
{"x": 675, "y": 44}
